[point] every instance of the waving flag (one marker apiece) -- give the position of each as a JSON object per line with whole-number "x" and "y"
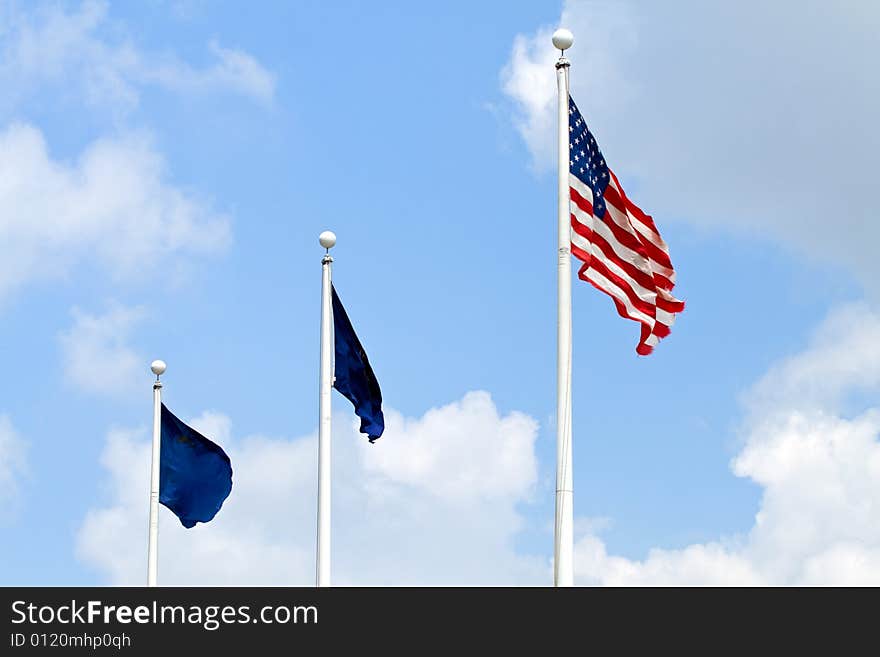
{"x": 195, "y": 475}
{"x": 353, "y": 376}
{"x": 622, "y": 251}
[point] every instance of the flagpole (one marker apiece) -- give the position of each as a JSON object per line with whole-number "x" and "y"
{"x": 158, "y": 368}
{"x": 563, "y": 539}
{"x": 322, "y": 562}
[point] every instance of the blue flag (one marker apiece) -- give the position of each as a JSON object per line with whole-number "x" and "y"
{"x": 195, "y": 475}
{"x": 354, "y": 376}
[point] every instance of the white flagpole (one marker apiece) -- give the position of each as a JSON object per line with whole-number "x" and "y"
{"x": 327, "y": 239}
{"x": 563, "y": 543}
{"x": 158, "y": 368}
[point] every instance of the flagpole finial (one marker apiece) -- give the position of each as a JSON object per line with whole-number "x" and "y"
{"x": 563, "y": 39}
{"x": 158, "y": 367}
{"x": 327, "y": 239}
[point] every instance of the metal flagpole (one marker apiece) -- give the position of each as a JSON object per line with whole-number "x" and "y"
{"x": 327, "y": 239}
{"x": 563, "y": 543}
{"x": 158, "y": 368}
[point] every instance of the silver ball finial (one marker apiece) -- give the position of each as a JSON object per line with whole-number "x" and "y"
{"x": 158, "y": 367}
{"x": 327, "y": 239}
{"x": 562, "y": 39}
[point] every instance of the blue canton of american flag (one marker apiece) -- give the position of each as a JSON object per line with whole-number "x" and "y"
{"x": 585, "y": 158}
{"x": 622, "y": 251}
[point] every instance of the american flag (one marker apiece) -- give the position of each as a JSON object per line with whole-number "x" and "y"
{"x": 623, "y": 254}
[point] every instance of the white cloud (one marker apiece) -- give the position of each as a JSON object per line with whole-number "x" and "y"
{"x": 433, "y": 502}
{"x": 844, "y": 353}
{"x": 429, "y": 452}
{"x": 602, "y": 31}
{"x": 96, "y": 354}
{"x": 12, "y": 464}
{"x": 113, "y": 207}
{"x": 235, "y": 71}
{"x": 818, "y": 466}
{"x": 84, "y": 49}
{"x": 762, "y": 125}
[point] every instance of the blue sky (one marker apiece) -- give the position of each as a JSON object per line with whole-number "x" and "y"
{"x": 172, "y": 164}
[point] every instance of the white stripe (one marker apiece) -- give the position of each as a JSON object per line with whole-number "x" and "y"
{"x": 642, "y": 232}
{"x": 665, "y": 317}
{"x": 602, "y": 230}
{"x": 611, "y": 289}
{"x": 580, "y": 187}
{"x": 662, "y": 316}
{"x": 645, "y": 233}
{"x": 621, "y": 218}
{"x": 581, "y": 242}
{"x": 648, "y": 235}
{"x": 666, "y": 295}
{"x": 644, "y": 229}
{"x": 643, "y": 293}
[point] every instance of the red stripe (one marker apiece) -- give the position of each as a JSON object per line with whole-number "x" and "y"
{"x": 621, "y": 309}
{"x": 658, "y": 253}
{"x": 650, "y": 247}
{"x": 653, "y": 251}
{"x": 628, "y": 239}
{"x": 670, "y": 306}
{"x": 582, "y": 255}
{"x": 659, "y": 280}
{"x": 642, "y": 349}
{"x": 640, "y": 277}
{"x": 646, "y": 219}
{"x": 662, "y": 282}
{"x": 640, "y": 304}
{"x": 643, "y": 278}
{"x": 658, "y": 256}
{"x": 661, "y": 330}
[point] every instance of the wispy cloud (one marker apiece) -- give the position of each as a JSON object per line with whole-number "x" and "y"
{"x": 12, "y": 465}
{"x": 88, "y": 53}
{"x": 96, "y": 353}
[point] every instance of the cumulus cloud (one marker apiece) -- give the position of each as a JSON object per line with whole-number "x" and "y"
{"x": 437, "y": 502}
{"x": 96, "y": 354}
{"x": 84, "y": 48}
{"x": 722, "y": 119}
{"x": 112, "y": 207}
{"x": 433, "y": 502}
{"x": 843, "y": 354}
{"x": 815, "y": 453}
{"x": 12, "y": 464}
